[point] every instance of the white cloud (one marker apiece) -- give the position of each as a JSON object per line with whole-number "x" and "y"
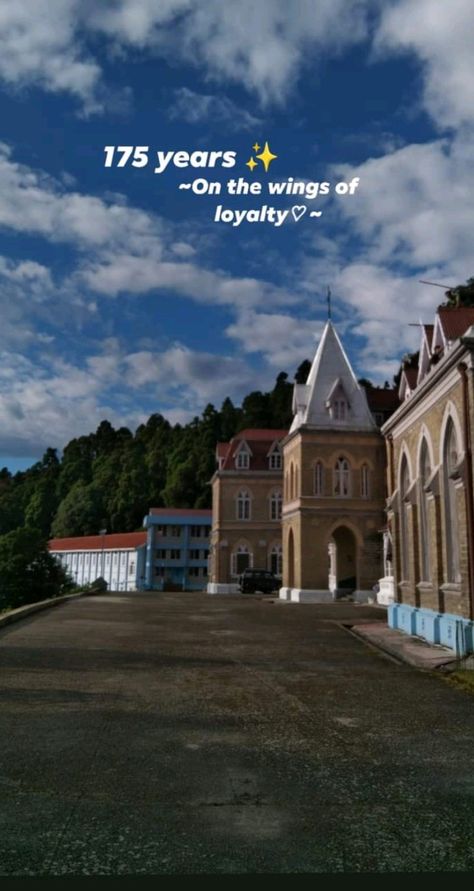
{"x": 121, "y": 249}
{"x": 39, "y": 46}
{"x": 49, "y": 401}
{"x": 416, "y": 206}
{"x": 440, "y": 34}
{"x": 284, "y": 341}
{"x": 260, "y": 45}
{"x": 197, "y": 107}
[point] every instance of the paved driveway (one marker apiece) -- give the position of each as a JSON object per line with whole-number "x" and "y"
{"x": 144, "y": 734}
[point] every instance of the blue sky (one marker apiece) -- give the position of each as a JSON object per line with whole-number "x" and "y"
{"x": 120, "y": 296}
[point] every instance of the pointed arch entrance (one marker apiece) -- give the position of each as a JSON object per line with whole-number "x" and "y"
{"x": 342, "y": 561}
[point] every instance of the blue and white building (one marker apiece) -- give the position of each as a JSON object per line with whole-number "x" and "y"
{"x": 177, "y": 551}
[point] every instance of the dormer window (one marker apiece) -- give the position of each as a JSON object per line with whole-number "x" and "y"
{"x": 337, "y": 402}
{"x": 242, "y": 461}
{"x": 339, "y": 410}
{"x": 242, "y": 457}
{"x": 275, "y": 458}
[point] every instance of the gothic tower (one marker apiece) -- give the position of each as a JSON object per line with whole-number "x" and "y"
{"x": 334, "y": 484}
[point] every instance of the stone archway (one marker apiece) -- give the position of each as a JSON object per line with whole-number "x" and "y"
{"x": 342, "y": 562}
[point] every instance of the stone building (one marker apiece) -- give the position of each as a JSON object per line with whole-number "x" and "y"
{"x": 430, "y": 481}
{"x": 334, "y": 483}
{"x": 246, "y": 508}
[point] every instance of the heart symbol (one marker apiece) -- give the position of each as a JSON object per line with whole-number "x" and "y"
{"x": 298, "y": 210}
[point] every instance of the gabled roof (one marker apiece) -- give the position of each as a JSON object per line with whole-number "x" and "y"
{"x": 114, "y": 542}
{"x": 330, "y": 369}
{"x": 456, "y": 320}
{"x": 260, "y": 442}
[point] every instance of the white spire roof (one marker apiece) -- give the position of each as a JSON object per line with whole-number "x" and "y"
{"x": 331, "y": 397}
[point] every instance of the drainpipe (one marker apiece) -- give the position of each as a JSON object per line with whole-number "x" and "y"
{"x": 462, "y": 368}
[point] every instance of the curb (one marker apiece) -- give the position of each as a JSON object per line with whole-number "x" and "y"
{"x": 405, "y": 649}
{"x": 22, "y": 612}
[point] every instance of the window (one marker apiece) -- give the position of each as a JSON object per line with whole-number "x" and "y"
{"x": 276, "y": 560}
{"x": 205, "y": 555}
{"x": 131, "y": 568}
{"x": 364, "y": 481}
{"x": 193, "y": 570}
{"x": 275, "y": 460}
{"x": 243, "y": 506}
{"x": 424, "y": 476}
{"x": 242, "y": 460}
{"x": 175, "y": 554}
{"x": 275, "y": 506}
{"x": 341, "y": 477}
{"x": 161, "y": 554}
{"x": 339, "y": 409}
{"x": 318, "y": 480}
{"x": 174, "y": 531}
{"x": 195, "y": 532}
{"x": 404, "y": 487}
{"x": 194, "y": 554}
{"x": 450, "y": 461}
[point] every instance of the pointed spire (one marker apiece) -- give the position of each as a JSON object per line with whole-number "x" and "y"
{"x": 331, "y": 397}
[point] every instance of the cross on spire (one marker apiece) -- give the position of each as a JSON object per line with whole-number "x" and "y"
{"x": 329, "y": 303}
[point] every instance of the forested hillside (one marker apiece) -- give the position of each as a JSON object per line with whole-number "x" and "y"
{"x": 110, "y": 478}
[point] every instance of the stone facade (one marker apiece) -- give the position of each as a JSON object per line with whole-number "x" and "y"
{"x": 334, "y": 485}
{"x": 246, "y": 513}
{"x": 430, "y": 472}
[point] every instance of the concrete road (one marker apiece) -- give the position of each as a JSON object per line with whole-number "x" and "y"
{"x": 148, "y": 734}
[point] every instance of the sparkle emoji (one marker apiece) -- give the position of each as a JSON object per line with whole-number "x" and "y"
{"x": 266, "y": 157}
{"x": 251, "y": 164}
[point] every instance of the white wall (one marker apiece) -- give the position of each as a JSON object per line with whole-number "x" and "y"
{"x": 119, "y": 568}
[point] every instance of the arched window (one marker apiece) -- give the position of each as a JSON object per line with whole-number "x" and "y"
{"x": 424, "y": 475}
{"x": 241, "y": 559}
{"x": 318, "y": 480}
{"x": 450, "y": 461}
{"x": 243, "y": 506}
{"x": 275, "y": 506}
{"x": 364, "y": 481}
{"x": 276, "y": 560}
{"x": 292, "y": 481}
{"x": 341, "y": 477}
{"x": 404, "y": 487}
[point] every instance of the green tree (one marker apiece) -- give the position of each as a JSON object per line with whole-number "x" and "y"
{"x": 80, "y": 512}
{"x": 28, "y": 572}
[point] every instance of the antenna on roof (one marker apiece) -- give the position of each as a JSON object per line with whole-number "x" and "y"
{"x": 329, "y": 302}
{"x": 437, "y": 285}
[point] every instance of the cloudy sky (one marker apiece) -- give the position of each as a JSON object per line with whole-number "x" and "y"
{"x": 121, "y": 296}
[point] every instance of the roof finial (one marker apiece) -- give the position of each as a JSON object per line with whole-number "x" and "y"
{"x": 329, "y": 302}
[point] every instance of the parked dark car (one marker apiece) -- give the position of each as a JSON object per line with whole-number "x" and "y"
{"x": 253, "y": 580}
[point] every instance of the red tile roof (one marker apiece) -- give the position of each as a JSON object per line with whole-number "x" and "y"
{"x": 260, "y": 434}
{"x": 429, "y": 333}
{"x": 381, "y": 399}
{"x": 411, "y": 375}
{"x": 180, "y": 512}
{"x": 456, "y": 321}
{"x": 113, "y": 542}
{"x": 260, "y": 442}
